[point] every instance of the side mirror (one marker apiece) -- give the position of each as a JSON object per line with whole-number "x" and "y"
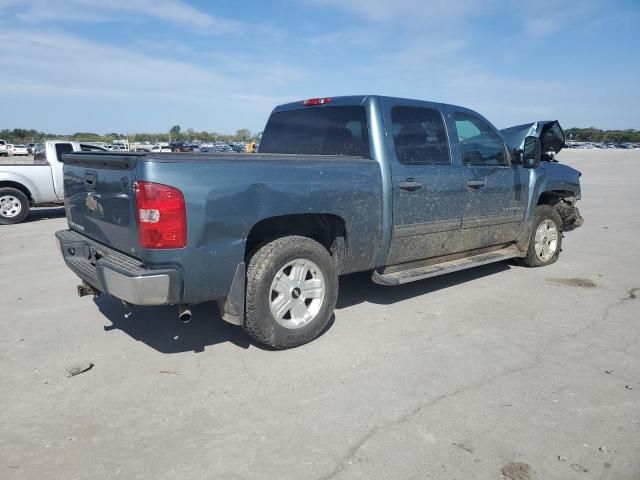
{"x": 531, "y": 152}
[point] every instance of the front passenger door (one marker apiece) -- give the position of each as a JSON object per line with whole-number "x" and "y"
{"x": 494, "y": 203}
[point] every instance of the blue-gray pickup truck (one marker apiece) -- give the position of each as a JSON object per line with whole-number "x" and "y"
{"x": 406, "y": 189}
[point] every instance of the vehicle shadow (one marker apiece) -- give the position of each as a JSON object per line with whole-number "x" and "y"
{"x": 44, "y": 213}
{"x": 159, "y": 328}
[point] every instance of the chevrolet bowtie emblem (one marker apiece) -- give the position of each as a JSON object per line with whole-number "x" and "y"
{"x": 91, "y": 202}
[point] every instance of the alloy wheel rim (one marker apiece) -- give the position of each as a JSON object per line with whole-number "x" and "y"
{"x": 546, "y": 241}
{"x": 297, "y": 293}
{"x": 10, "y": 206}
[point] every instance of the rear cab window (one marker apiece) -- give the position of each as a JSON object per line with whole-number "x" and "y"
{"x": 327, "y": 130}
{"x": 419, "y": 136}
{"x": 62, "y": 148}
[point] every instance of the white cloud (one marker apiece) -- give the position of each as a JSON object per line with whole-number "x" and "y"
{"x": 410, "y": 12}
{"x": 350, "y": 38}
{"x": 419, "y": 49}
{"x": 170, "y": 11}
{"x": 66, "y": 63}
{"x": 543, "y": 26}
{"x": 539, "y": 23}
{"x": 144, "y": 92}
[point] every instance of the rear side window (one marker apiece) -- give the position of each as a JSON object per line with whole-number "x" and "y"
{"x": 479, "y": 143}
{"x": 419, "y": 136}
{"x": 63, "y": 148}
{"x": 318, "y": 131}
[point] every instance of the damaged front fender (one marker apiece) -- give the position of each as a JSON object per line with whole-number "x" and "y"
{"x": 549, "y": 132}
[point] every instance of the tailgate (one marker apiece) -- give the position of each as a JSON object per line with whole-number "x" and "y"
{"x": 99, "y": 198}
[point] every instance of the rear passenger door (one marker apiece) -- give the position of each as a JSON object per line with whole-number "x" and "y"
{"x": 494, "y": 194}
{"x": 427, "y": 188}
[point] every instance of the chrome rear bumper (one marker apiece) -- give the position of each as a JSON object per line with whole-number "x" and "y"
{"x": 119, "y": 275}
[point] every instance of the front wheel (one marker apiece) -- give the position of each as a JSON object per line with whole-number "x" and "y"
{"x": 14, "y": 206}
{"x": 546, "y": 237}
{"x": 292, "y": 288}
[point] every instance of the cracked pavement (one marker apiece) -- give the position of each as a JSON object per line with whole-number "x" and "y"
{"x": 463, "y": 376}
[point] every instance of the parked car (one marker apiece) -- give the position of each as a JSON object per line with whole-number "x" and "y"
{"x": 403, "y": 188}
{"x": 180, "y": 147}
{"x": 18, "y": 150}
{"x": 160, "y": 149}
{"x": 33, "y": 185}
{"x": 4, "y": 148}
{"x": 92, "y": 147}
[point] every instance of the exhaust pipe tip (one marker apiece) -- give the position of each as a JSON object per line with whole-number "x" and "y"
{"x": 185, "y": 316}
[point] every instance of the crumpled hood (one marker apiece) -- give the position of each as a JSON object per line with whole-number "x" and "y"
{"x": 548, "y": 131}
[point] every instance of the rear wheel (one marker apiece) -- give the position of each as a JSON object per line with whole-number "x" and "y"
{"x": 292, "y": 288}
{"x": 546, "y": 237}
{"x": 14, "y": 206}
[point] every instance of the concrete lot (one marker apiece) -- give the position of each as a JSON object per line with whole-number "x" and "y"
{"x": 499, "y": 370}
{"x": 17, "y": 159}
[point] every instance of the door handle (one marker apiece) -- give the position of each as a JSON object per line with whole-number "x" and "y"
{"x": 410, "y": 185}
{"x": 476, "y": 183}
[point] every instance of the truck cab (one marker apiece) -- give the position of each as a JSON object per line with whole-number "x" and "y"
{"x": 37, "y": 184}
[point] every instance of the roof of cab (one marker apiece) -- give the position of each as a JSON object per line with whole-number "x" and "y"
{"x": 356, "y": 100}
{"x": 335, "y": 101}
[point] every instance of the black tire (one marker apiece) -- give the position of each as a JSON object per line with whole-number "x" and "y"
{"x": 541, "y": 214}
{"x": 20, "y": 197}
{"x": 265, "y": 263}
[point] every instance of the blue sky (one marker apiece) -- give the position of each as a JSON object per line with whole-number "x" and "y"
{"x": 144, "y": 65}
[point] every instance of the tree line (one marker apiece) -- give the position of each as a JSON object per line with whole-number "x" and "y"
{"x": 23, "y": 135}
{"x": 597, "y": 135}
{"x": 175, "y": 133}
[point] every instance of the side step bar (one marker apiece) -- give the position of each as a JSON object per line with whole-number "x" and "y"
{"x": 420, "y": 273}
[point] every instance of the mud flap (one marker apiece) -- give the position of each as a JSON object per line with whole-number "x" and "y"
{"x": 232, "y": 308}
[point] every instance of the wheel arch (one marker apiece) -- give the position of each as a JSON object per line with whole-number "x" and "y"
{"x": 18, "y": 186}
{"x": 552, "y": 197}
{"x": 327, "y": 229}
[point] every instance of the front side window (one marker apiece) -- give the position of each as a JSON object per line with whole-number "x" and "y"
{"x": 419, "y": 136}
{"x": 318, "y": 131}
{"x": 479, "y": 143}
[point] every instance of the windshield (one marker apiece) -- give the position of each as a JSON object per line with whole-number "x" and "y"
{"x": 318, "y": 131}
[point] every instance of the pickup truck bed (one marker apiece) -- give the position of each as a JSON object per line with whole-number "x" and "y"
{"x": 226, "y": 196}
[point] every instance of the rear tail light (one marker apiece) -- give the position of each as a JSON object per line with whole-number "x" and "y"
{"x": 315, "y": 101}
{"x": 162, "y": 216}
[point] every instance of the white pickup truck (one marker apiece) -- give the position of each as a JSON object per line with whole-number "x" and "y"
{"x": 37, "y": 184}
{"x": 4, "y": 148}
